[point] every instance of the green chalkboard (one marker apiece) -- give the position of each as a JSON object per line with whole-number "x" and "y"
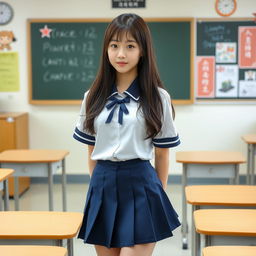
{"x": 215, "y": 37}
{"x": 64, "y": 57}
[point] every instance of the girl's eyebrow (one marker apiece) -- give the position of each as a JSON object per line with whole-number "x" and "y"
{"x": 128, "y": 41}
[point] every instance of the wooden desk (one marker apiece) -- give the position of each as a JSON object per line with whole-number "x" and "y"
{"x": 226, "y": 226}
{"x": 206, "y": 164}
{"x": 4, "y": 175}
{"x": 217, "y": 196}
{"x": 250, "y": 139}
{"x": 51, "y": 228}
{"x": 22, "y": 250}
{"x": 229, "y": 250}
{"x": 36, "y": 163}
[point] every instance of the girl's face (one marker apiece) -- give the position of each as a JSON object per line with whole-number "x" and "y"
{"x": 124, "y": 54}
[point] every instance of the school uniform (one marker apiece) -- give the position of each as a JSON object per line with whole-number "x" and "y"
{"x": 126, "y": 204}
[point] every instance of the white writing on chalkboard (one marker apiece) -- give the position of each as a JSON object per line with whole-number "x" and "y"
{"x": 49, "y": 47}
{"x": 213, "y": 34}
{"x": 86, "y": 62}
{"x": 89, "y": 33}
{"x": 63, "y": 34}
{"x": 85, "y": 76}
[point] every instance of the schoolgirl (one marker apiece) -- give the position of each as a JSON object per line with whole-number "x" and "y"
{"x": 125, "y": 116}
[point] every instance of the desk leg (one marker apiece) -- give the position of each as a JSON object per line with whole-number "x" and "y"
{"x": 207, "y": 240}
{"x": 70, "y": 247}
{"x": 195, "y": 241}
{"x": 50, "y": 186}
{"x": 64, "y": 186}
{"x": 6, "y": 195}
{"x": 59, "y": 243}
{"x": 253, "y": 151}
{"x": 236, "y": 180}
{"x": 184, "y": 226}
{"x": 1, "y": 198}
{"x": 16, "y": 193}
{"x": 248, "y": 177}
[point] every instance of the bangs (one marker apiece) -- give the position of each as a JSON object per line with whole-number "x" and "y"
{"x": 118, "y": 32}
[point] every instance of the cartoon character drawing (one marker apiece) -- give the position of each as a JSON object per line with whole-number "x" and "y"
{"x": 6, "y": 38}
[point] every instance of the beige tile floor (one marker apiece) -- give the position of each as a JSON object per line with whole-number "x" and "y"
{"x": 36, "y": 199}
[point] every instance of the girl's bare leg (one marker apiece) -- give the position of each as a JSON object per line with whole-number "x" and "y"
{"x": 138, "y": 250}
{"x": 104, "y": 251}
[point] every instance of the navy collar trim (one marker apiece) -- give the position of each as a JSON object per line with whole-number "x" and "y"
{"x": 132, "y": 91}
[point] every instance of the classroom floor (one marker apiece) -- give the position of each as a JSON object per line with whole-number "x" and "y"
{"x": 36, "y": 199}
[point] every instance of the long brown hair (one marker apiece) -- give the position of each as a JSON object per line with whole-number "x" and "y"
{"x": 148, "y": 75}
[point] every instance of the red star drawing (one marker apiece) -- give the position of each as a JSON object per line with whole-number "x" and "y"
{"x": 45, "y": 32}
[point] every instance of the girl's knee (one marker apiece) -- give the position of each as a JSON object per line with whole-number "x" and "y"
{"x": 138, "y": 250}
{"x": 104, "y": 251}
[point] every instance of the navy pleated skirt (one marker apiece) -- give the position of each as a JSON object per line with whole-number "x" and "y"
{"x": 126, "y": 205}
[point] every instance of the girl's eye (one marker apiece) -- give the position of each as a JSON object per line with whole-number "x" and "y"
{"x": 113, "y": 45}
{"x": 130, "y": 46}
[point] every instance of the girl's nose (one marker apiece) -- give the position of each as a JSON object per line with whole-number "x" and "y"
{"x": 121, "y": 53}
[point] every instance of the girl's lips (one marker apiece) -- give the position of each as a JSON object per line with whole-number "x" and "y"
{"x": 121, "y": 63}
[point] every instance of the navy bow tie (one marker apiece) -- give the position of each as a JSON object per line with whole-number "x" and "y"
{"x": 123, "y": 109}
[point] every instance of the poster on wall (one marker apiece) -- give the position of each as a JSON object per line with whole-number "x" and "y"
{"x": 225, "y": 52}
{"x": 233, "y": 45}
{"x": 247, "y": 47}
{"x": 226, "y": 81}
{"x": 9, "y": 72}
{"x": 205, "y": 76}
{"x": 247, "y": 89}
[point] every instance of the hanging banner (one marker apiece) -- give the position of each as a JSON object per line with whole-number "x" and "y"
{"x": 247, "y": 47}
{"x": 205, "y": 76}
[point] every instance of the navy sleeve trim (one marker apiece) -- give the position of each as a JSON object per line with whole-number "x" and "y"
{"x": 83, "y": 137}
{"x": 167, "y": 142}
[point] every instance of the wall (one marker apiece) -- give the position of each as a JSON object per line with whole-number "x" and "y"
{"x": 201, "y": 127}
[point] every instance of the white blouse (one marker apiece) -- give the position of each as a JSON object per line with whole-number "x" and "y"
{"x": 120, "y": 130}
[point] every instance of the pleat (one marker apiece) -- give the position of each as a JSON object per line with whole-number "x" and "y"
{"x": 123, "y": 233}
{"x": 103, "y": 227}
{"x": 93, "y": 211}
{"x": 159, "y": 218}
{"x": 81, "y": 233}
{"x": 143, "y": 222}
{"x": 172, "y": 216}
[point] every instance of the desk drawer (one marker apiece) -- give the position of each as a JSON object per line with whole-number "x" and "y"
{"x": 208, "y": 171}
{"x": 33, "y": 169}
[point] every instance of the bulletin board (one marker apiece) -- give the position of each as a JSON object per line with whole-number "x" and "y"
{"x": 225, "y": 63}
{"x": 64, "y": 55}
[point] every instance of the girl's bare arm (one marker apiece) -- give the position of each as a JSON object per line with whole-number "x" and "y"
{"x": 91, "y": 163}
{"x": 162, "y": 164}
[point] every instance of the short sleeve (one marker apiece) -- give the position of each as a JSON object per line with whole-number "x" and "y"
{"x": 80, "y": 134}
{"x": 168, "y": 136}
